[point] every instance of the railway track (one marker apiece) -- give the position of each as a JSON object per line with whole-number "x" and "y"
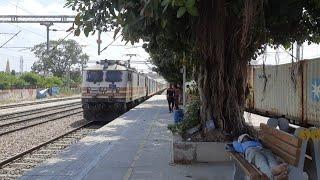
{"x": 36, "y": 102}
{"x": 14, "y": 166}
{"x": 36, "y": 111}
{"x": 10, "y": 125}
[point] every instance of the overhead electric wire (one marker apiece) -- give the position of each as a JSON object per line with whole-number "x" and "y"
{"x": 10, "y": 39}
{"x": 110, "y": 43}
{"x": 7, "y": 33}
{"x": 16, "y": 25}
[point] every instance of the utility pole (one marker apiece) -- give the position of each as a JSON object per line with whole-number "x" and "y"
{"x": 47, "y": 24}
{"x": 99, "y": 42}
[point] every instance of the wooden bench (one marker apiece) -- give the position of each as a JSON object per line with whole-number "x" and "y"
{"x": 286, "y": 146}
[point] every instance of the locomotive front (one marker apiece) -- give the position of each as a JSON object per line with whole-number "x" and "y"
{"x": 104, "y": 91}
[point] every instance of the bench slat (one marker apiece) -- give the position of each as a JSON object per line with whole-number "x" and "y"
{"x": 279, "y": 152}
{"x": 249, "y": 169}
{"x": 274, "y": 141}
{"x": 290, "y": 139}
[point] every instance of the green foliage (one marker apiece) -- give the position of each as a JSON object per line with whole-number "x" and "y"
{"x": 63, "y": 57}
{"x": 191, "y": 118}
{"x": 28, "y": 80}
{"x": 5, "y": 80}
{"x": 32, "y": 79}
{"x": 169, "y": 65}
{"x": 51, "y": 82}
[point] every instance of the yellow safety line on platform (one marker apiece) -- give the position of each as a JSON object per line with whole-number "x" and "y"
{"x": 137, "y": 155}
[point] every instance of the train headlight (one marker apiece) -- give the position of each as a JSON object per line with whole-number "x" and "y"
{"x": 88, "y": 90}
{"x": 118, "y": 90}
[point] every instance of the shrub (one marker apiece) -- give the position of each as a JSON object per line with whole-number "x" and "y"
{"x": 190, "y": 120}
{"x": 52, "y": 81}
{"x": 32, "y": 79}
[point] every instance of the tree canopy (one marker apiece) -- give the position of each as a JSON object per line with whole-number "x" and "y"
{"x": 63, "y": 57}
{"x": 218, "y": 37}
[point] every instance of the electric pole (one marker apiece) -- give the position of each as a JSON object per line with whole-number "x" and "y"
{"x": 47, "y": 24}
{"x": 99, "y": 42}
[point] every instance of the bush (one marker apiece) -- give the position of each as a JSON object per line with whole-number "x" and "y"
{"x": 52, "y": 81}
{"x": 8, "y": 81}
{"x": 18, "y": 83}
{"x": 191, "y": 118}
{"x": 28, "y": 80}
{"x": 32, "y": 79}
{"x": 5, "y": 81}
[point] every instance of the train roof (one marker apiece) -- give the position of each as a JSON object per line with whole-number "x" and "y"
{"x": 110, "y": 67}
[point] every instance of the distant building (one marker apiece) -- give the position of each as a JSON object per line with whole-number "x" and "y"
{"x": 8, "y": 67}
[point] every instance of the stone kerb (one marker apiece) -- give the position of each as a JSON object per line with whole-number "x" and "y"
{"x": 186, "y": 152}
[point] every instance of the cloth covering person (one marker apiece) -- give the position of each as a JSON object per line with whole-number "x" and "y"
{"x": 261, "y": 157}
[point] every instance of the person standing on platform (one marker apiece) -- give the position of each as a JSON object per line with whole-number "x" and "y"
{"x": 170, "y": 98}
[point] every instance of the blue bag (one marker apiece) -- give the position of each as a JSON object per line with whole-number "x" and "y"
{"x": 178, "y": 116}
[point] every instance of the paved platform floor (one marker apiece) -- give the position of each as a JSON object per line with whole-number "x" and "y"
{"x": 136, "y": 146}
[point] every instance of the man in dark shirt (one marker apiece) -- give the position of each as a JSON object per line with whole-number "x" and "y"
{"x": 170, "y": 98}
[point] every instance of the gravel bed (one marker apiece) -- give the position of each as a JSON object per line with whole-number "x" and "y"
{"x": 17, "y": 142}
{"x": 42, "y": 113}
{"x": 38, "y": 120}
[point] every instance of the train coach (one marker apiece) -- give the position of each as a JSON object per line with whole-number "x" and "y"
{"x": 287, "y": 90}
{"x": 110, "y": 87}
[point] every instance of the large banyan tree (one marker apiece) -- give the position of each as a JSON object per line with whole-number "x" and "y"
{"x": 219, "y": 37}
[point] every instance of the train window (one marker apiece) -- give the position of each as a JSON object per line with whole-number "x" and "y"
{"x": 138, "y": 80}
{"x": 114, "y": 76}
{"x": 94, "y": 76}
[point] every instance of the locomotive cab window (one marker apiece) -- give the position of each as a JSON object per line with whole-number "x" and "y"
{"x": 94, "y": 76}
{"x": 114, "y": 76}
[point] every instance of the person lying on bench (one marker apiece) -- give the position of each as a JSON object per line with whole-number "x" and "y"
{"x": 261, "y": 157}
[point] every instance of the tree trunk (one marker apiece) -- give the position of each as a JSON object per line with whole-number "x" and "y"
{"x": 226, "y": 43}
{"x": 222, "y": 97}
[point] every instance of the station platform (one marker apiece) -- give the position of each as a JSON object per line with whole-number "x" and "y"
{"x": 135, "y": 146}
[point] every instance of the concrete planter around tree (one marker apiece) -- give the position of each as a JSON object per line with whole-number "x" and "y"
{"x": 186, "y": 152}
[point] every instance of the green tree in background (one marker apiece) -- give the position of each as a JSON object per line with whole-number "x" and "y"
{"x": 169, "y": 65}
{"x": 223, "y": 35}
{"x": 28, "y": 80}
{"x": 63, "y": 57}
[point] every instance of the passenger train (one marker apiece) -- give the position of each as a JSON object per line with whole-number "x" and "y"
{"x": 111, "y": 87}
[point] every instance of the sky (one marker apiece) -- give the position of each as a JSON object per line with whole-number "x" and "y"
{"x": 32, "y": 34}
